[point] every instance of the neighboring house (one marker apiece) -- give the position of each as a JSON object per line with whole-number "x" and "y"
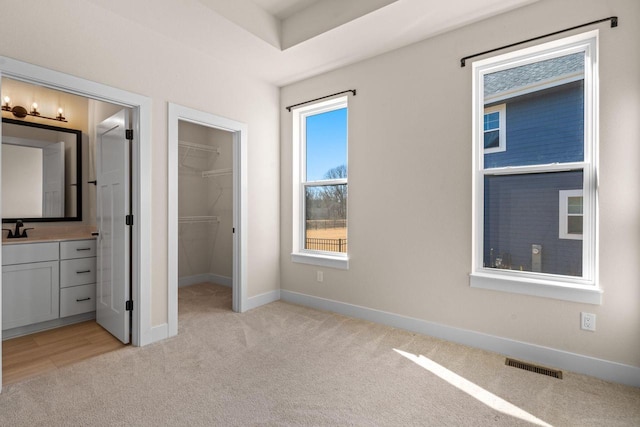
{"x": 534, "y": 115}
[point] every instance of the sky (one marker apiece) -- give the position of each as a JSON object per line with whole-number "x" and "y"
{"x": 326, "y": 142}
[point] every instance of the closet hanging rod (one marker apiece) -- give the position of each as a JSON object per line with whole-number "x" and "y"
{"x": 198, "y": 219}
{"x": 217, "y": 172}
{"x": 322, "y": 97}
{"x": 200, "y": 147}
{"x": 613, "y": 19}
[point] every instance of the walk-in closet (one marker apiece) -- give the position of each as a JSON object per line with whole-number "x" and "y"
{"x": 205, "y": 205}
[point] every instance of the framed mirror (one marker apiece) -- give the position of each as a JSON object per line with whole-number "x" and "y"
{"x": 41, "y": 172}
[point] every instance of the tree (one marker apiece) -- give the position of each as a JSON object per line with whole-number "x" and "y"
{"x": 335, "y": 196}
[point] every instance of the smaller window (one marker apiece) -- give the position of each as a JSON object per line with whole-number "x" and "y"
{"x": 320, "y": 178}
{"x": 571, "y": 214}
{"x": 495, "y": 139}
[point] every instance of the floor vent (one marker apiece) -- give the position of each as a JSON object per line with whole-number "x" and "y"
{"x": 534, "y": 368}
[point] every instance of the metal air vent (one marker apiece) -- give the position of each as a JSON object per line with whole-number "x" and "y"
{"x": 534, "y": 368}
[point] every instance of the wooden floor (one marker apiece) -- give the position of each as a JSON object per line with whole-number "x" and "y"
{"x": 35, "y": 354}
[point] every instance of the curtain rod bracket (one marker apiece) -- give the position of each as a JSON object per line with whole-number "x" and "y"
{"x": 353, "y": 91}
{"x": 613, "y": 19}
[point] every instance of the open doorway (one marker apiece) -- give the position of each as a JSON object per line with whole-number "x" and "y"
{"x": 50, "y": 187}
{"x": 207, "y": 204}
{"x": 139, "y": 110}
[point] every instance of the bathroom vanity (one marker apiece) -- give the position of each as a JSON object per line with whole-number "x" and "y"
{"x": 46, "y": 284}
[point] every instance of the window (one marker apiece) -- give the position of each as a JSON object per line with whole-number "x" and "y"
{"x": 495, "y": 139}
{"x": 320, "y": 183}
{"x": 571, "y": 214}
{"x": 535, "y": 199}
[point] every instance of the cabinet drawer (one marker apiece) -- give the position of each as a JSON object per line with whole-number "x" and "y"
{"x": 79, "y": 271}
{"x": 23, "y": 253}
{"x": 77, "y": 249}
{"x": 77, "y": 299}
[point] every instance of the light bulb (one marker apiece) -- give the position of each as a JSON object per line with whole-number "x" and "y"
{"x": 7, "y": 100}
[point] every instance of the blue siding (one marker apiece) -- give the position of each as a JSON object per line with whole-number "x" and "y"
{"x": 522, "y": 210}
{"x": 543, "y": 127}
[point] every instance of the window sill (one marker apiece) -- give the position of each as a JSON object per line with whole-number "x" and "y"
{"x": 537, "y": 287}
{"x": 323, "y": 260}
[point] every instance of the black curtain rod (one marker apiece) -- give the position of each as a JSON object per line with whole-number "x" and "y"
{"x": 613, "y": 19}
{"x": 324, "y": 97}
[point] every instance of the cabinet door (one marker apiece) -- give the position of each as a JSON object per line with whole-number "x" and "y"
{"x": 30, "y": 293}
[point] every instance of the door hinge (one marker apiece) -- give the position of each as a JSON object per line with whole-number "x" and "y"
{"x": 233, "y": 230}
{"x": 128, "y": 134}
{"x": 128, "y": 305}
{"x": 128, "y": 219}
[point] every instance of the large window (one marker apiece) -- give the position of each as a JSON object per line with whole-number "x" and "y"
{"x": 320, "y": 183}
{"x": 535, "y": 197}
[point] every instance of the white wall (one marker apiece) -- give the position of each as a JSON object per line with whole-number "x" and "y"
{"x": 410, "y": 186}
{"x": 93, "y": 42}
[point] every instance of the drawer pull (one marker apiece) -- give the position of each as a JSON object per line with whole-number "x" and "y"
{"x": 83, "y": 299}
{"x": 83, "y": 249}
{"x": 83, "y": 271}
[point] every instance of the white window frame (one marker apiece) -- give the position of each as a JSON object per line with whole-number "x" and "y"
{"x": 583, "y": 289}
{"x": 563, "y": 214}
{"x": 501, "y": 109}
{"x": 299, "y": 253}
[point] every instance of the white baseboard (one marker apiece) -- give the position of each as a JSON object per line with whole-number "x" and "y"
{"x": 262, "y": 299}
{"x": 599, "y": 368}
{"x": 206, "y": 277}
{"x": 158, "y": 333}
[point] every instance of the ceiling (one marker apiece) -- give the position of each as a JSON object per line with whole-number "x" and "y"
{"x": 284, "y": 41}
{"x": 315, "y": 36}
{"x": 283, "y": 9}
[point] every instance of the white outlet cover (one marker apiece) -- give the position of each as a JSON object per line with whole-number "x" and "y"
{"x": 587, "y": 321}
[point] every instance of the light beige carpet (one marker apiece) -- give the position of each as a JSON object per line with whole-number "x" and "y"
{"x": 282, "y": 364}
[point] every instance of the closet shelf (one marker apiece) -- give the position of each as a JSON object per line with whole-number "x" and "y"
{"x": 201, "y": 147}
{"x": 197, "y": 219}
{"x": 217, "y": 172}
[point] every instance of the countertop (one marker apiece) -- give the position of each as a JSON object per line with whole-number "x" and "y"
{"x": 49, "y": 234}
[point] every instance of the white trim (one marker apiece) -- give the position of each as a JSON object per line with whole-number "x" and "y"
{"x": 586, "y": 43}
{"x": 240, "y": 217}
{"x": 501, "y": 109}
{"x": 301, "y": 255}
{"x": 205, "y": 278}
{"x": 599, "y": 368}
{"x": 159, "y": 332}
{"x": 563, "y": 214}
{"x": 141, "y": 176}
{"x": 322, "y": 260}
{"x": 587, "y": 294}
{"x": 262, "y": 299}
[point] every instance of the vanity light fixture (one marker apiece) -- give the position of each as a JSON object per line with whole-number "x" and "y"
{"x": 22, "y": 112}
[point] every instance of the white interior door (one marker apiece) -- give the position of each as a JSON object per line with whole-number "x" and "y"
{"x": 53, "y": 180}
{"x": 113, "y": 246}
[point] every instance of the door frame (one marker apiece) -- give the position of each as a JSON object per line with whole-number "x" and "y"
{"x": 141, "y": 329}
{"x": 239, "y": 130}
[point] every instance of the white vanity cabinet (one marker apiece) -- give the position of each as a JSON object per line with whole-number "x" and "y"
{"x": 45, "y": 283}
{"x": 30, "y": 283}
{"x": 77, "y": 277}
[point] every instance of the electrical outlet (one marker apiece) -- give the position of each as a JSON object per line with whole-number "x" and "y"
{"x": 319, "y": 276}
{"x": 588, "y": 321}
